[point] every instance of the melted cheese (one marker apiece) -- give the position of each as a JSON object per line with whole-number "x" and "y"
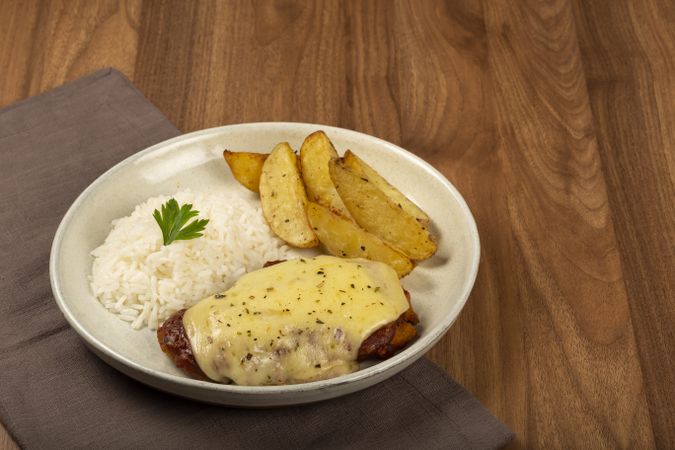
{"x": 297, "y": 321}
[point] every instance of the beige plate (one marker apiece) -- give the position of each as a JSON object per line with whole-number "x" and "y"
{"x": 439, "y": 286}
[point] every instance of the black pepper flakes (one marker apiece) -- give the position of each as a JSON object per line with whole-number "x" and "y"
{"x": 219, "y": 296}
{"x": 319, "y": 321}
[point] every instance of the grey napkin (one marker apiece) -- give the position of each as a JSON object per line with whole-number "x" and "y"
{"x": 54, "y": 393}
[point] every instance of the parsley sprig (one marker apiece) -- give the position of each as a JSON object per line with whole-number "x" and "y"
{"x": 172, "y": 222}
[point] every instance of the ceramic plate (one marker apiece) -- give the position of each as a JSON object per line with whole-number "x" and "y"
{"x": 439, "y": 286}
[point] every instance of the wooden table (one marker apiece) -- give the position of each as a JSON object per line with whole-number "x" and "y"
{"x": 555, "y": 119}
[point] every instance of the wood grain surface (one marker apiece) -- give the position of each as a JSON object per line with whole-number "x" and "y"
{"x": 555, "y": 119}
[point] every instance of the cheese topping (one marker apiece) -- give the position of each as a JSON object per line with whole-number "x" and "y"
{"x": 296, "y": 321}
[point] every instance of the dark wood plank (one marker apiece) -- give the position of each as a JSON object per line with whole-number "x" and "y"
{"x": 6, "y": 441}
{"x": 18, "y": 21}
{"x": 249, "y": 61}
{"x": 628, "y": 53}
{"x": 46, "y": 43}
{"x": 584, "y": 383}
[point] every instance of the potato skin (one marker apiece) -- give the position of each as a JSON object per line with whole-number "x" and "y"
{"x": 246, "y": 167}
{"x": 342, "y": 237}
{"x": 283, "y": 198}
{"x": 373, "y": 210}
{"x": 316, "y": 151}
{"x": 358, "y": 166}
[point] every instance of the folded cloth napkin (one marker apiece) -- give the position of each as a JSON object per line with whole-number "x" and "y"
{"x": 54, "y": 393}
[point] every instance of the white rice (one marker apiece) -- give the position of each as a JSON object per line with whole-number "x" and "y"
{"x": 142, "y": 281}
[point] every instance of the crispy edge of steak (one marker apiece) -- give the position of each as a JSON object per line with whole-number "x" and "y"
{"x": 392, "y": 337}
{"x": 175, "y": 343}
{"x": 382, "y": 343}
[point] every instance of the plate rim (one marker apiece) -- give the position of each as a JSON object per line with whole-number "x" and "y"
{"x": 396, "y": 363}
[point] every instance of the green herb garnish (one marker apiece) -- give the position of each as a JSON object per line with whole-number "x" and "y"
{"x": 172, "y": 222}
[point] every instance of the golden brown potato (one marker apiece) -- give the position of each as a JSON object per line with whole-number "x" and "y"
{"x": 342, "y": 237}
{"x": 246, "y": 167}
{"x": 315, "y": 153}
{"x": 358, "y": 166}
{"x": 373, "y": 210}
{"x": 283, "y": 198}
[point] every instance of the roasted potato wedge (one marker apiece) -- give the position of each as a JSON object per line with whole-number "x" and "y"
{"x": 246, "y": 167}
{"x": 342, "y": 237}
{"x": 373, "y": 210}
{"x": 283, "y": 198}
{"x": 358, "y": 166}
{"x": 315, "y": 153}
